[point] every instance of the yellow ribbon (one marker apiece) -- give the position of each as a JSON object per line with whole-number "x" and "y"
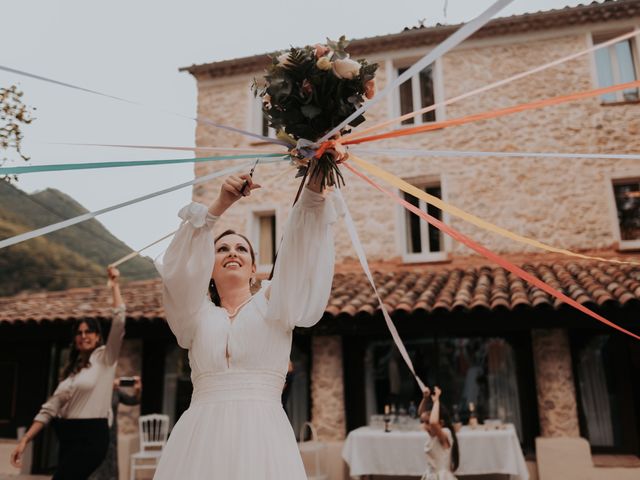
{"x": 457, "y": 212}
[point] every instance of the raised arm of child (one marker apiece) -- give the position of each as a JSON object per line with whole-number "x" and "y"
{"x": 434, "y": 418}
{"x": 423, "y": 403}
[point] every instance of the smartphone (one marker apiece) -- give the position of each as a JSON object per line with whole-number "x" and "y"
{"x": 127, "y": 381}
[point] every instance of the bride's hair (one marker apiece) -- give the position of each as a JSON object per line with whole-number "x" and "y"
{"x": 213, "y": 291}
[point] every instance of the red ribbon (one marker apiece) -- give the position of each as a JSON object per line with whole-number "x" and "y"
{"x": 492, "y": 256}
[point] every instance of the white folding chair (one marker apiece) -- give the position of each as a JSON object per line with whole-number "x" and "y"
{"x": 154, "y": 430}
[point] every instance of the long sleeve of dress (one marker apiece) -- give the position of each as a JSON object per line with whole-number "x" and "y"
{"x": 304, "y": 268}
{"x": 116, "y": 335}
{"x": 185, "y": 269}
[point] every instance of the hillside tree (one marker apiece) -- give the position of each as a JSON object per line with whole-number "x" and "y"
{"x": 14, "y": 115}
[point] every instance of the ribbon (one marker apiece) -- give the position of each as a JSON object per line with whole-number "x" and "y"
{"x": 198, "y": 119}
{"x": 357, "y": 245}
{"x": 495, "y": 113}
{"x": 492, "y": 256}
{"x": 478, "y": 222}
{"x": 88, "y": 216}
{"x": 134, "y": 254}
{"x": 409, "y": 152}
{"x": 132, "y": 163}
{"x": 164, "y": 147}
{"x": 491, "y": 86}
{"x": 451, "y": 42}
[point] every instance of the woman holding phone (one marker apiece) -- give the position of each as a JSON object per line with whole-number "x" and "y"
{"x": 80, "y": 407}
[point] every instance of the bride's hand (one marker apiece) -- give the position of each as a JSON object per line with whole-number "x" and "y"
{"x": 233, "y": 189}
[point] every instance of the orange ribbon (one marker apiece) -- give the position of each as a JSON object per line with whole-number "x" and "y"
{"x": 504, "y": 263}
{"x": 493, "y": 113}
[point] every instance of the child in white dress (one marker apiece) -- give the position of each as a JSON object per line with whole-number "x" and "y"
{"x": 441, "y": 447}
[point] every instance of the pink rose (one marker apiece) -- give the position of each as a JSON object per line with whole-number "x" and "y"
{"x": 321, "y": 50}
{"x": 307, "y": 87}
{"x": 370, "y": 89}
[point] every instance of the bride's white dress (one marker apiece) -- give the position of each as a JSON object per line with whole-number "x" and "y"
{"x": 235, "y": 427}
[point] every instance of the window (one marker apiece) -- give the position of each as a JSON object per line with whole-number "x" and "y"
{"x": 416, "y": 93}
{"x": 420, "y": 240}
{"x": 614, "y": 65}
{"x": 627, "y": 200}
{"x": 258, "y": 123}
{"x": 264, "y": 238}
{"x": 476, "y": 370}
{"x": 607, "y": 404}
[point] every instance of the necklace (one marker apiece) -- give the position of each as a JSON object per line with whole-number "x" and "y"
{"x": 234, "y": 312}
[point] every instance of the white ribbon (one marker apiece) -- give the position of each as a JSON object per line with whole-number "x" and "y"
{"x": 88, "y": 216}
{"x": 408, "y": 152}
{"x": 451, "y": 42}
{"x": 357, "y": 245}
{"x": 510, "y": 79}
{"x": 131, "y": 255}
{"x": 120, "y": 99}
{"x": 135, "y": 253}
{"x": 257, "y": 151}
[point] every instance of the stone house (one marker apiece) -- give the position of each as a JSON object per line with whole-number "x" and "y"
{"x": 466, "y": 322}
{"x": 482, "y": 334}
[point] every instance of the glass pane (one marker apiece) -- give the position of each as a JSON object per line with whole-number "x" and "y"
{"x": 627, "y": 69}
{"x": 474, "y": 370}
{"x": 426, "y": 93}
{"x": 597, "y": 393}
{"x": 406, "y": 98}
{"x": 628, "y": 205}
{"x": 412, "y": 222}
{"x": 605, "y": 73}
{"x": 436, "y": 237}
{"x": 295, "y": 395}
{"x": 266, "y": 247}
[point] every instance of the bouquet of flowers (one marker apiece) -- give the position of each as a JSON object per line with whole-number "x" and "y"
{"x": 309, "y": 91}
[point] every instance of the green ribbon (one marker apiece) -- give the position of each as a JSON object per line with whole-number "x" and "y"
{"x": 131, "y": 163}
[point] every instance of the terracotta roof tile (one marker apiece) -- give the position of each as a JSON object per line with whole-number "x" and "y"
{"x": 421, "y": 289}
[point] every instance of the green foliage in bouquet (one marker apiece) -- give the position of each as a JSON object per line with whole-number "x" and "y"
{"x": 309, "y": 91}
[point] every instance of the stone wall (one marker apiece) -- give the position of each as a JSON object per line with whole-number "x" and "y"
{"x": 563, "y": 202}
{"x": 327, "y": 388}
{"x": 557, "y": 409}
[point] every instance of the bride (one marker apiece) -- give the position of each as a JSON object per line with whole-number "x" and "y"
{"x": 239, "y": 343}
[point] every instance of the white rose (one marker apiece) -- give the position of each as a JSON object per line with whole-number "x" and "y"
{"x": 324, "y": 63}
{"x": 346, "y": 68}
{"x": 283, "y": 60}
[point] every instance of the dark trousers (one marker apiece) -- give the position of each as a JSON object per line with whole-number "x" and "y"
{"x": 83, "y": 446}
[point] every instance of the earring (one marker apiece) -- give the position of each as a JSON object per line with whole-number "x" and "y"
{"x": 252, "y": 282}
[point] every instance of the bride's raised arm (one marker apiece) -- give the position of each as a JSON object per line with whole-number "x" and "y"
{"x": 303, "y": 274}
{"x": 185, "y": 268}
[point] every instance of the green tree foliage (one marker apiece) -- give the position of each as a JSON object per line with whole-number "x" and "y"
{"x": 14, "y": 115}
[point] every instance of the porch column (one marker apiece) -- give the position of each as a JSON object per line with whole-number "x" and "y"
{"x": 557, "y": 407}
{"x": 327, "y": 388}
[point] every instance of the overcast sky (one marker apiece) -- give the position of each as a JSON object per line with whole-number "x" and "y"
{"x": 133, "y": 49}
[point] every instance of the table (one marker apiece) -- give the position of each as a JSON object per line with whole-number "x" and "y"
{"x": 371, "y": 451}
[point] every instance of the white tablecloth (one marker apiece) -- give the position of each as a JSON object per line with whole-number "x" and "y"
{"x": 370, "y": 451}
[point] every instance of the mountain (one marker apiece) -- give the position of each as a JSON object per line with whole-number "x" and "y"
{"x": 72, "y": 257}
